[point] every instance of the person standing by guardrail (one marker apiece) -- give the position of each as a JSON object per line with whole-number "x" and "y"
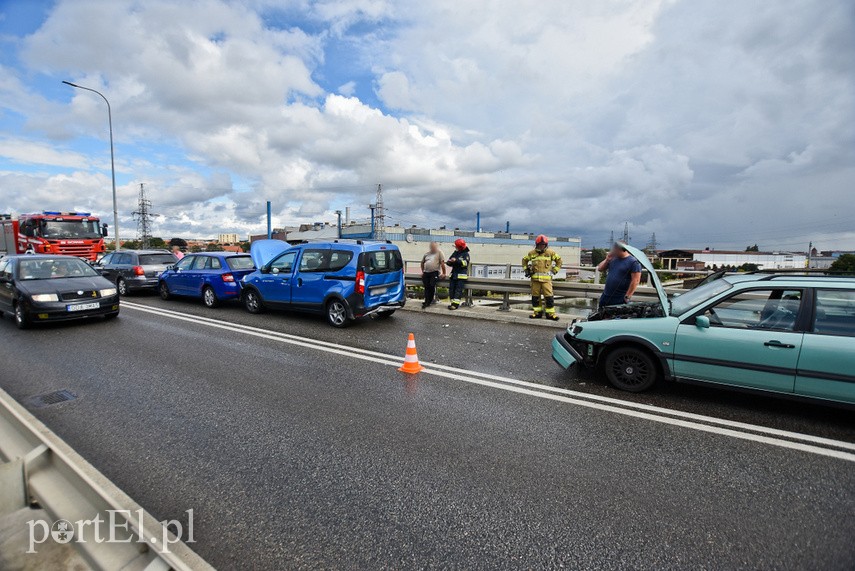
{"x": 540, "y": 265}
{"x": 433, "y": 267}
{"x": 623, "y": 277}
{"x": 459, "y": 264}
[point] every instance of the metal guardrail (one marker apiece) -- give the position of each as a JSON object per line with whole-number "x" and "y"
{"x": 562, "y": 289}
{"x": 38, "y": 468}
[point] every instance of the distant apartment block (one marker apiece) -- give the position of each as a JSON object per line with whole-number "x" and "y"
{"x": 228, "y": 238}
{"x": 685, "y": 259}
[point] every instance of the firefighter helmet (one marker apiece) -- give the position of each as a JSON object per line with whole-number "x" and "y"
{"x": 460, "y": 244}
{"x": 541, "y": 240}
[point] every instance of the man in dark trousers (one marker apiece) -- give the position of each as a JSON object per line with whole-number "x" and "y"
{"x": 433, "y": 268}
{"x": 459, "y": 264}
{"x": 624, "y": 275}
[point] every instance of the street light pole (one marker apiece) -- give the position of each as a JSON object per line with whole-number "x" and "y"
{"x": 112, "y": 161}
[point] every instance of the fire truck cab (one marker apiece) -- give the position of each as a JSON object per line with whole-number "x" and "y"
{"x": 51, "y": 232}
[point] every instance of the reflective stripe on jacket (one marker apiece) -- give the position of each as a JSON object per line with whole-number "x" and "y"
{"x": 459, "y": 263}
{"x": 542, "y": 264}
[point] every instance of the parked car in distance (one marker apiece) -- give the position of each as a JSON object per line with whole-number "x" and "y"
{"x": 43, "y": 287}
{"x": 343, "y": 280}
{"x": 774, "y": 333}
{"x": 135, "y": 270}
{"x": 213, "y": 277}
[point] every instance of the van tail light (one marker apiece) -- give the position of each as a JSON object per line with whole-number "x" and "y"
{"x": 228, "y": 278}
{"x": 360, "y": 282}
{"x": 139, "y": 271}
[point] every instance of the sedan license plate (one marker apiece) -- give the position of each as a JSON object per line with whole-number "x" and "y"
{"x": 83, "y": 306}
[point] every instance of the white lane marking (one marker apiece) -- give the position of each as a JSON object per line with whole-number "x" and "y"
{"x": 637, "y": 410}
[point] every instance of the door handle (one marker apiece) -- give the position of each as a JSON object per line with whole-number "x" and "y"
{"x": 300, "y": 282}
{"x": 779, "y": 345}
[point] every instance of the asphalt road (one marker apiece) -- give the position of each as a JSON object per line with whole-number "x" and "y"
{"x": 300, "y": 446}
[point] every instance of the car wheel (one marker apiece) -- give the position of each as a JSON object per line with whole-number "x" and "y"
{"x": 209, "y": 297}
{"x": 22, "y": 320}
{"x": 164, "y": 291}
{"x": 337, "y": 313}
{"x": 630, "y": 369}
{"x": 252, "y": 301}
{"x": 122, "y": 286}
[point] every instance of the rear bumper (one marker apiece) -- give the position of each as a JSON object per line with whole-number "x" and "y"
{"x": 356, "y": 307}
{"x": 564, "y": 353}
{"x": 137, "y": 283}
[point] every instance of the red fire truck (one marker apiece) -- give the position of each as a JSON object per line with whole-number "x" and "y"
{"x": 74, "y": 233}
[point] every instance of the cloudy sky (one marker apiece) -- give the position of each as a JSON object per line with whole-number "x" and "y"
{"x": 711, "y": 123}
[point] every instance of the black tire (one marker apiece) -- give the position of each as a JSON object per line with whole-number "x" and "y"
{"x": 22, "y": 320}
{"x": 122, "y": 287}
{"x": 209, "y": 297}
{"x": 252, "y": 301}
{"x": 163, "y": 290}
{"x": 336, "y": 312}
{"x": 630, "y": 369}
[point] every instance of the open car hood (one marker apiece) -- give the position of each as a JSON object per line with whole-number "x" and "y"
{"x": 263, "y": 251}
{"x": 654, "y": 278}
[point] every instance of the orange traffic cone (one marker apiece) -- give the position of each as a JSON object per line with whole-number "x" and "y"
{"x": 411, "y": 360}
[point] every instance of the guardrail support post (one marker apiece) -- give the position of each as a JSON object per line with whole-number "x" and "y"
{"x": 506, "y": 298}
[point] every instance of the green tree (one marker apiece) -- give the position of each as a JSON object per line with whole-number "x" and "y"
{"x": 130, "y": 245}
{"x": 157, "y": 243}
{"x": 195, "y": 248}
{"x": 754, "y": 248}
{"x": 244, "y": 246}
{"x": 845, "y": 264}
{"x": 598, "y": 255}
{"x": 213, "y": 247}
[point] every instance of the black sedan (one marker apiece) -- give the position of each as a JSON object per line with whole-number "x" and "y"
{"x": 41, "y": 288}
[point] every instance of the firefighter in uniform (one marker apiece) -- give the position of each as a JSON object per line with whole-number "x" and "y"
{"x": 541, "y": 264}
{"x": 459, "y": 264}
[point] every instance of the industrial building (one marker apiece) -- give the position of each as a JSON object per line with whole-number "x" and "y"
{"x": 675, "y": 259}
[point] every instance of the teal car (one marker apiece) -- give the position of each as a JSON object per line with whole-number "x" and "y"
{"x": 774, "y": 333}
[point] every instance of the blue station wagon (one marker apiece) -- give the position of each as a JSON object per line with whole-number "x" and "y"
{"x": 343, "y": 280}
{"x": 775, "y": 333}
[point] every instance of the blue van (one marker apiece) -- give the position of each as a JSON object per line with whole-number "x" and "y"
{"x": 343, "y": 280}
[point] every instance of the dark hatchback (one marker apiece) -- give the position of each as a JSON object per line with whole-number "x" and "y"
{"x": 42, "y": 288}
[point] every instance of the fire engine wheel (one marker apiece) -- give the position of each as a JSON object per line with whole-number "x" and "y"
{"x": 630, "y": 369}
{"x": 122, "y": 286}
{"x": 164, "y": 291}
{"x": 209, "y": 297}
{"x": 22, "y": 320}
{"x": 337, "y": 313}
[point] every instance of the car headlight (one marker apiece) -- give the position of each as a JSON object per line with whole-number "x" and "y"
{"x": 42, "y": 297}
{"x": 108, "y": 292}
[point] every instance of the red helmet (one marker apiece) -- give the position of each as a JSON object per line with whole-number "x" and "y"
{"x": 460, "y": 244}
{"x": 541, "y": 240}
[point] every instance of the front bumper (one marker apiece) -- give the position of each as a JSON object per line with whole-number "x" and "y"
{"x": 564, "y": 353}
{"x": 58, "y": 310}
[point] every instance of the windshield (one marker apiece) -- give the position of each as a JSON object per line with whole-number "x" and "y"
{"x": 73, "y": 229}
{"x": 697, "y": 296}
{"x": 240, "y": 263}
{"x": 157, "y": 259}
{"x": 54, "y": 268}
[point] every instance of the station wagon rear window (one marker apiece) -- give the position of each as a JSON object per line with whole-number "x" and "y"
{"x": 157, "y": 259}
{"x": 835, "y": 312}
{"x": 381, "y": 261}
{"x": 240, "y": 262}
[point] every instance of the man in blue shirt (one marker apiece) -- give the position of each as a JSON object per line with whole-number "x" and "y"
{"x": 624, "y": 275}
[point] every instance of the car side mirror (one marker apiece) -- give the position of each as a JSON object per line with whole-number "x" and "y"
{"x": 702, "y": 321}
{"x": 274, "y": 271}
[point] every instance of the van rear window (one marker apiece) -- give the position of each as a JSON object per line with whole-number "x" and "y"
{"x": 381, "y": 261}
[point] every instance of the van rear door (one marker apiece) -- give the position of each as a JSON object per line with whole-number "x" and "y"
{"x": 384, "y": 275}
